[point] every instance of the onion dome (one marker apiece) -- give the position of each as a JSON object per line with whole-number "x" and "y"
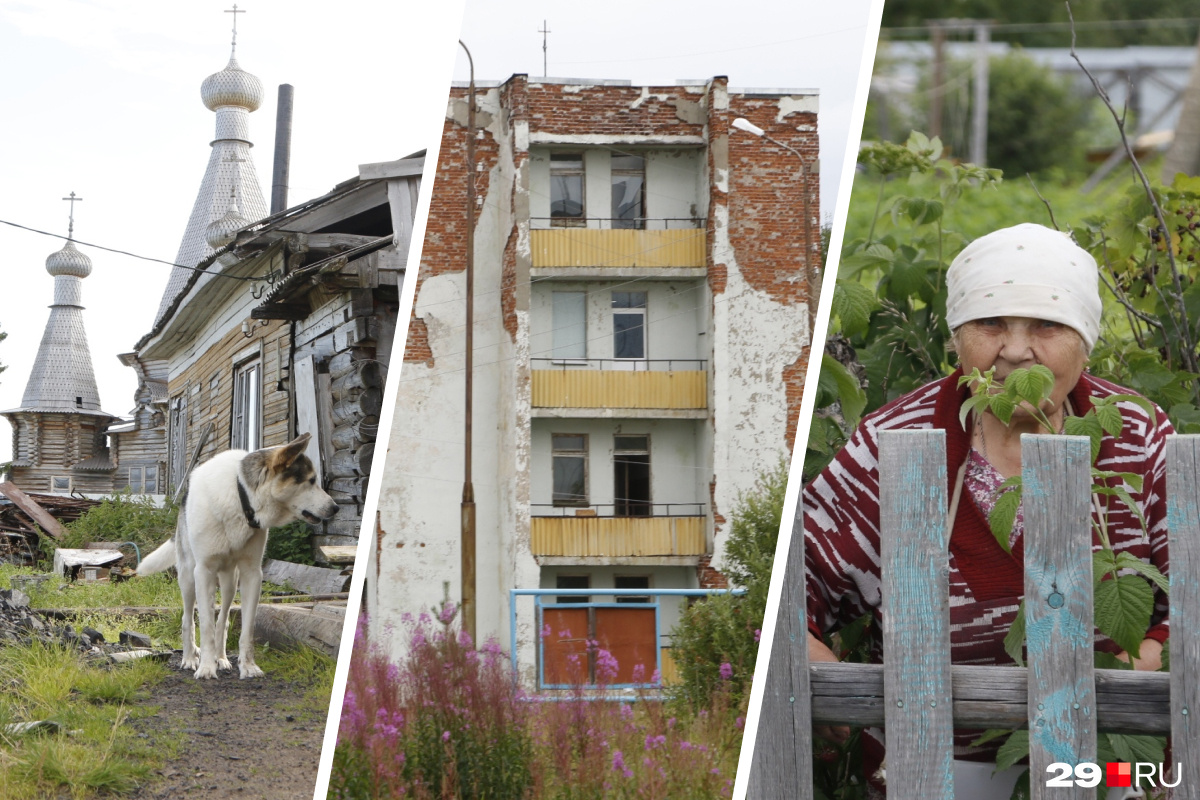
{"x": 221, "y": 232}
{"x": 232, "y": 86}
{"x": 69, "y": 261}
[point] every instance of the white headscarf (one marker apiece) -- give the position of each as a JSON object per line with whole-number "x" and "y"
{"x": 1027, "y": 270}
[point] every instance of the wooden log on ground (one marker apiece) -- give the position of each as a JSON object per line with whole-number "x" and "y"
{"x": 314, "y": 580}
{"x": 318, "y": 627}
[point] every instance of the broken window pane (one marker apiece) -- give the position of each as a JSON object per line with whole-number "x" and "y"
{"x": 566, "y": 188}
{"x": 628, "y": 191}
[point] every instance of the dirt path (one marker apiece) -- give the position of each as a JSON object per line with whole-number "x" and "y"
{"x": 239, "y": 739}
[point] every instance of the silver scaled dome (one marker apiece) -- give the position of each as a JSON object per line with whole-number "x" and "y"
{"x": 232, "y": 86}
{"x": 69, "y": 261}
{"x": 221, "y": 232}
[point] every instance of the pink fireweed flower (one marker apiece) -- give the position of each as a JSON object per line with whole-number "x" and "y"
{"x": 445, "y": 736}
{"x": 546, "y": 631}
{"x": 655, "y": 677}
{"x": 726, "y": 670}
{"x": 639, "y": 673}
{"x": 653, "y": 742}
{"x": 757, "y": 635}
{"x": 606, "y": 666}
{"x": 739, "y": 723}
{"x": 565, "y": 633}
{"x": 449, "y": 609}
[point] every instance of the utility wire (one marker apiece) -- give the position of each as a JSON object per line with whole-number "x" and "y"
{"x": 133, "y": 255}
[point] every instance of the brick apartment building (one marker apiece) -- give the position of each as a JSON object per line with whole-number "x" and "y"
{"x": 641, "y": 337}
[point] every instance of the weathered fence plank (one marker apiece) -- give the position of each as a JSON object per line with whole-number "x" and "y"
{"x": 1058, "y": 606}
{"x": 916, "y": 615}
{"x": 1183, "y": 524}
{"x": 992, "y": 697}
{"x": 782, "y": 763}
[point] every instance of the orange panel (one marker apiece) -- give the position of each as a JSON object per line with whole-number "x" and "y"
{"x": 629, "y": 634}
{"x": 568, "y": 637}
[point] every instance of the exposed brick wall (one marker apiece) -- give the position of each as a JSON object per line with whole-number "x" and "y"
{"x": 444, "y": 249}
{"x": 793, "y": 380}
{"x": 766, "y": 198}
{"x": 708, "y": 577}
{"x": 614, "y": 110}
{"x": 416, "y": 348}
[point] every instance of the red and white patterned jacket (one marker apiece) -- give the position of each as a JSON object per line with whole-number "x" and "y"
{"x": 841, "y": 521}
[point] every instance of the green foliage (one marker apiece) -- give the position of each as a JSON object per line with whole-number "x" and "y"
{"x": 1020, "y": 90}
{"x": 724, "y": 629}
{"x": 292, "y": 542}
{"x": 124, "y": 518}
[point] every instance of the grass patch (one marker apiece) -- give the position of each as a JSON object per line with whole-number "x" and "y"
{"x": 308, "y": 669}
{"x": 97, "y": 751}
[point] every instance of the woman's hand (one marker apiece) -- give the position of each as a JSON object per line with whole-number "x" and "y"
{"x": 1149, "y": 656}
{"x": 818, "y": 651}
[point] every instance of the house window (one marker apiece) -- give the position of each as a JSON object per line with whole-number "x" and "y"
{"x": 143, "y": 480}
{"x": 628, "y": 191}
{"x": 570, "y": 325}
{"x": 247, "y": 406}
{"x": 632, "y": 582}
{"x": 631, "y": 476}
{"x": 573, "y": 582}
{"x": 569, "y": 464}
{"x": 60, "y": 484}
{"x": 566, "y": 189}
{"x": 629, "y": 324}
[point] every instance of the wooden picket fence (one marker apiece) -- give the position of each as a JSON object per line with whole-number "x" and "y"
{"x": 919, "y": 698}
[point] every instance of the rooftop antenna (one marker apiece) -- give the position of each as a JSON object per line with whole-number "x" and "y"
{"x": 235, "y": 12}
{"x": 71, "y": 226}
{"x": 544, "y": 30}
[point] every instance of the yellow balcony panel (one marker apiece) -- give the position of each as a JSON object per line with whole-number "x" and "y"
{"x": 618, "y": 536}
{"x": 588, "y": 247}
{"x": 589, "y": 388}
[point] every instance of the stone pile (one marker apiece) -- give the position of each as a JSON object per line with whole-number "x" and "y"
{"x": 21, "y": 625}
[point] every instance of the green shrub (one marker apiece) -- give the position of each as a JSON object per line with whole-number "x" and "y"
{"x": 123, "y": 518}
{"x": 292, "y": 542}
{"x": 716, "y": 641}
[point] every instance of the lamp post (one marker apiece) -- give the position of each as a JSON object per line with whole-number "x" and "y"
{"x": 467, "y": 543}
{"x": 811, "y": 272}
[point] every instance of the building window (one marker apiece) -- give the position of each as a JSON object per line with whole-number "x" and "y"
{"x": 632, "y": 582}
{"x": 628, "y": 191}
{"x": 629, "y": 324}
{"x": 143, "y": 480}
{"x": 177, "y": 442}
{"x": 570, "y": 325}
{"x": 566, "y": 189}
{"x": 60, "y": 484}
{"x": 573, "y": 582}
{"x": 569, "y": 463}
{"x": 247, "y": 406}
{"x": 631, "y": 476}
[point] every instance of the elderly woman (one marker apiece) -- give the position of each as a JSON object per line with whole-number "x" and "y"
{"x": 1017, "y": 297}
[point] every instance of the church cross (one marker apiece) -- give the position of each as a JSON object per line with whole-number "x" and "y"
{"x": 72, "y": 200}
{"x": 235, "y": 12}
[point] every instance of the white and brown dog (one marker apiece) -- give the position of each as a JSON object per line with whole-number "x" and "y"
{"x": 231, "y": 501}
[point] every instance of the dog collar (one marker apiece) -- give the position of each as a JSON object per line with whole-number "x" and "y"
{"x": 244, "y": 496}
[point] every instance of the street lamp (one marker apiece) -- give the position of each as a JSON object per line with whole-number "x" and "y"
{"x": 811, "y": 272}
{"x": 467, "y": 538}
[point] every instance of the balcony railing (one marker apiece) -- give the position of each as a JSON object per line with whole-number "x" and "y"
{"x": 677, "y": 529}
{"x": 619, "y": 383}
{"x": 604, "y": 244}
{"x": 610, "y": 510}
{"x": 600, "y": 223}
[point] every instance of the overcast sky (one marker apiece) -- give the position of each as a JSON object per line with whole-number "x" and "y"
{"x": 103, "y": 98}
